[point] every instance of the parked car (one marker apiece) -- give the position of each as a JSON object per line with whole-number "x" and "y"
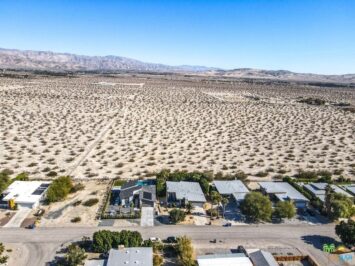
{"x": 227, "y": 225}
{"x": 155, "y": 239}
{"x": 171, "y": 239}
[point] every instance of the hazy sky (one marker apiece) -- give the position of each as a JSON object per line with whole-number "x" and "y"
{"x": 303, "y": 36}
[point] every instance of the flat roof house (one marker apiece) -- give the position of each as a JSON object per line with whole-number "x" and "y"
{"x": 234, "y": 259}
{"x": 284, "y": 191}
{"x": 318, "y": 190}
{"x": 126, "y": 257}
{"x": 234, "y": 188}
{"x": 183, "y": 192}
{"x": 132, "y": 191}
{"x": 26, "y": 194}
{"x": 262, "y": 258}
{"x": 350, "y": 188}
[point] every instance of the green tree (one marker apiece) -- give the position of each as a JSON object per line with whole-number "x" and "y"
{"x": 285, "y": 209}
{"x": 185, "y": 251}
{"x": 216, "y": 200}
{"x": 22, "y": 177}
{"x": 177, "y": 215}
{"x": 75, "y": 255}
{"x": 337, "y": 205}
{"x": 102, "y": 241}
{"x": 257, "y": 207}
{"x": 4, "y": 181}
{"x": 346, "y": 232}
{"x": 59, "y": 188}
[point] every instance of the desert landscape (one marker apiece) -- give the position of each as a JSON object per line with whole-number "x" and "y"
{"x": 131, "y": 125}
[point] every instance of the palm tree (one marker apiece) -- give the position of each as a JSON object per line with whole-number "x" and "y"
{"x": 216, "y": 199}
{"x": 224, "y": 203}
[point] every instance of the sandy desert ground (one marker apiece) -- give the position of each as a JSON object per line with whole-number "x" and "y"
{"x": 127, "y": 126}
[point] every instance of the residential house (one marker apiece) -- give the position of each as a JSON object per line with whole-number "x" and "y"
{"x": 318, "y": 190}
{"x": 283, "y": 191}
{"x": 26, "y": 194}
{"x": 231, "y": 188}
{"x": 142, "y": 256}
{"x": 134, "y": 193}
{"x": 183, "y": 192}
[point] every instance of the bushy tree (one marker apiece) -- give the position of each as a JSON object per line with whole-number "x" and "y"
{"x": 257, "y": 207}
{"x": 75, "y": 255}
{"x": 4, "y": 180}
{"x": 337, "y": 205}
{"x": 346, "y": 232}
{"x": 59, "y": 189}
{"x": 185, "y": 251}
{"x": 177, "y": 215}
{"x": 285, "y": 209}
{"x": 104, "y": 240}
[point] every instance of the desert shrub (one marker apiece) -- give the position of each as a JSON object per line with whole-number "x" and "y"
{"x": 90, "y": 202}
{"x": 76, "y": 220}
{"x": 261, "y": 174}
{"x": 52, "y": 174}
{"x": 77, "y": 203}
{"x": 177, "y": 215}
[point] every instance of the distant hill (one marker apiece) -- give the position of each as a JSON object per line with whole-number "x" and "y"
{"x": 50, "y": 61}
{"x": 45, "y": 60}
{"x": 281, "y": 75}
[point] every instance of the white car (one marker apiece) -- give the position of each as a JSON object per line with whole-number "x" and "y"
{"x": 155, "y": 239}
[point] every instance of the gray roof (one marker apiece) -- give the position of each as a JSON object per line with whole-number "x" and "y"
{"x": 262, "y": 258}
{"x": 239, "y": 196}
{"x": 233, "y": 259}
{"x": 282, "y": 190}
{"x": 350, "y": 188}
{"x": 131, "y": 257}
{"x": 230, "y": 187}
{"x": 190, "y": 191}
{"x": 318, "y": 190}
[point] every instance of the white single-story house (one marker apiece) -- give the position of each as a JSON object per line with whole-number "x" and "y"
{"x": 233, "y": 259}
{"x": 183, "y": 192}
{"x": 318, "y": 190}
{"x": 126, "y": 257}
{"x": 231, "y": 188}
{"x": 284, "y": 191}
{"x": 26, "y": 194}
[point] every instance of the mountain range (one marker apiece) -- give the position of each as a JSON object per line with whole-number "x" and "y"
{"x": 51, "y": 61}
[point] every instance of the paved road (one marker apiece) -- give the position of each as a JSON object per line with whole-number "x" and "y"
{"x": 43, "y": 242}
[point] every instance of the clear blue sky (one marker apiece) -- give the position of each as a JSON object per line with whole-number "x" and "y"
{"x": 303, "y": 36}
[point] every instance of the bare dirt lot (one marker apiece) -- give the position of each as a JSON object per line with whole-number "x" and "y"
{"x": 62, "y": 213}
{"x": 96, "y": 126}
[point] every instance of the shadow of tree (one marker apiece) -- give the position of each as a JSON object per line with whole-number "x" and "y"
{"x": 318, "y": 241}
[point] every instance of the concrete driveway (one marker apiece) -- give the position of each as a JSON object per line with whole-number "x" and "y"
{"x": 200, "y": 217}
{"x": 147, "y": 216}
{"x": 18, "y": 218}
